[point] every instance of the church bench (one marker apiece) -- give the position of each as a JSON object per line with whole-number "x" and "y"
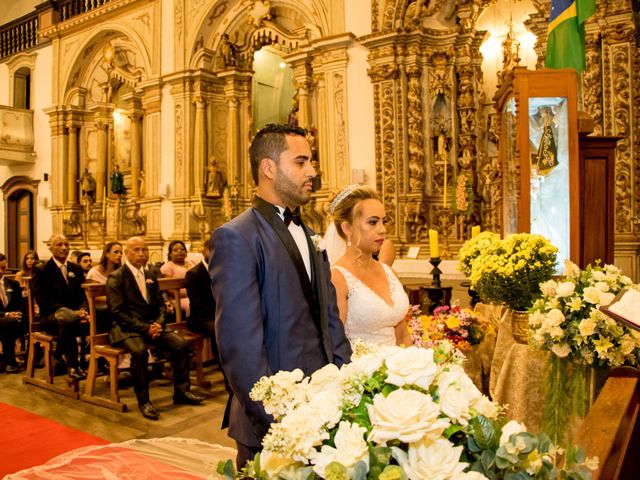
{"x": 173, "y": 286}
{"x": 611, "y": 430}
{"x": 37, "y": 336}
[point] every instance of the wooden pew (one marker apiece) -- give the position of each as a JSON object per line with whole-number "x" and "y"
{"x": 611, "y": 430}
{"x": 101, "y": 348}
{"x": 173, "y": 286}
{"x": 39, "y": 337}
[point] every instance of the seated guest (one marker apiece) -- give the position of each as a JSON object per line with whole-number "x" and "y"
{"x": 203, "y": 307}
{"x": 11, "y": 317}
{"x": 28, "y": 262}
{"x": 135, "y": 304}
{"x": 110, "y": 261}
{"x": 177, "y": 266}
{"x": 84, "y": 260}
{"x": 73, "y": 256}
{"x": 57, "y": 289}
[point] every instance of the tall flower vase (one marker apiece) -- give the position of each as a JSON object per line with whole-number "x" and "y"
{"x": 520, "y": 326}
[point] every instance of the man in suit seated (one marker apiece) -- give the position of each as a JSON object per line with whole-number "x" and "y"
{"x": 203, "y": 307}
{"x": 57, "y": 288}
{"x": 11, "y": 317}
{"x": 136, "y": 306}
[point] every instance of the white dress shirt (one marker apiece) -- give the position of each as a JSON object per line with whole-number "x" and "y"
{"x": 297, "y": 232}
{"x": 138, "y": 273}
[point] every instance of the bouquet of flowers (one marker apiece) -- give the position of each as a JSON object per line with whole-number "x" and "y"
{"x": 567, "y": 321}
{"x": 510, "y": 270}
{"x": 474, "y": 247}
{"x": 395, "y": 413}
{"x": 461, "y": 327}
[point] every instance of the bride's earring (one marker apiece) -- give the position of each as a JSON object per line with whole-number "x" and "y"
{"x": 348, "y": 241}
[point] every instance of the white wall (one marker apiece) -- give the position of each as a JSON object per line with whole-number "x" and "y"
{"x": 12, "y": 9}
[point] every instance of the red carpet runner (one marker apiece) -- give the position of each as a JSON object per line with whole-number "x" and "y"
{"x": 27, "y": 439}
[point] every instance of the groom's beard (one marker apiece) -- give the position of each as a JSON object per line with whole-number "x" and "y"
{"x": 289, "y": 191}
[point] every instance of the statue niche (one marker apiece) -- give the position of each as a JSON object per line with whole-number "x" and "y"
{"x": 215, "y": 180}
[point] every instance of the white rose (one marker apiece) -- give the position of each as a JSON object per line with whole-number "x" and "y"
{"x": 273, "y": 463}
{"x": 362, "y": 366}
{"x": 327, "y": 405}
{"x": 485, "y": 407}
{"x": 602, "y": 286}
{"x": 587, "y": 327}
{"x": 456, "y": 391}
{"x": 627, "y": 344}
{"x": 536, "y": 318}
{"x": 606, "y": 298}
{"x": 435, "y": 460}
{"x": 566, "y": 289}
{"x": 304, "y": 429}
{"x": 511, "y": 428}
{"x": 326, "y": 379}
{"x": 554, "y": 318}
{"x": 411, "y": 366}
{"x": 405, "y": 415}
{"x": 599, "y": 276}
{"x": 591, "y": 295}
{"x": 549, "y": 288}
{"x": 561, "y": 350}
{"x": 350, "y": 448}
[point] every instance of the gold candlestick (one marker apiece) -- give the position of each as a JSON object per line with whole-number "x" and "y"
{"x": 445, "y": 221}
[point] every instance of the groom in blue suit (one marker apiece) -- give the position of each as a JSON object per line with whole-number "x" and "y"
{"x": 275, "y": 304}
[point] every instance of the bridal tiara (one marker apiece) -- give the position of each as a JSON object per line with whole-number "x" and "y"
{"x": 341, "y": 196}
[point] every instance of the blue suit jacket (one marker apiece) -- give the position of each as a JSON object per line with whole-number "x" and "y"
{"x": 269, "y": 315}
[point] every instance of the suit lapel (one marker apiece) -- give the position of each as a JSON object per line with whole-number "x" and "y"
{"x": 57, "y": 273}
{"x": 268, "y": 211}
{"x": 132, "y": 280}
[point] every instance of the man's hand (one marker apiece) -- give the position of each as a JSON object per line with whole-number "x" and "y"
{"x": 83, "y": 314}
{"x": 16, "y": 315}
{"x": 155, "y": 329}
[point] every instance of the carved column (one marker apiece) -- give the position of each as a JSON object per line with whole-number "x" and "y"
{"x": 303, "y": 81}
{"x": 136, "y": 152}
{"x": 200, "y": 144}
{"x": 592, "y": 79}
{"x": 102, "y": 172}
{"x": 72, "y": 164}
{"x": 151, "y": 157}
{"x": 58, "y": 150}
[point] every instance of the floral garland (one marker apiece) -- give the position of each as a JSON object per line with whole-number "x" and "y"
{"x": 394, "y": 414}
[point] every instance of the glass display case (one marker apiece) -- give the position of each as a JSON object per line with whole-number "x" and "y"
{"x": 539, "y": 156}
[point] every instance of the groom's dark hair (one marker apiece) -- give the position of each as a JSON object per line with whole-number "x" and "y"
{"x": 270, "y": 142}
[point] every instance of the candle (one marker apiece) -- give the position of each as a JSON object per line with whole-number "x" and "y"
{"x": 200, "y": 199}
{"x": 104, "y": 203}
{"x": 475, "y": 231}
{"x": 433, "y": 243}
{"x": 444, "y": 190}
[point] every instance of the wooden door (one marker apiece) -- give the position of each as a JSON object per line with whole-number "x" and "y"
{"x": 20, "y": 226}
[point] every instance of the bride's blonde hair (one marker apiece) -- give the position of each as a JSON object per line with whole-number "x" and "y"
{"x": 345, "y": 206}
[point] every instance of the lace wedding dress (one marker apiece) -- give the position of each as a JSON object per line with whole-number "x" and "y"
{"x": 369, "y": 317}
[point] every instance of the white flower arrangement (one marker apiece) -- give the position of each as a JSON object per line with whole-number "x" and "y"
{"x": 393, "y": 414}
{"x": 71, "y": 275}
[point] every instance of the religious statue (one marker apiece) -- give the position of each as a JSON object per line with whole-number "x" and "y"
{"x": 547, "y": 157}
{"x": 117, "y": 181}
{"x": 141, "y": 182}
{"x": 442, "y": 144}
{"x": 215, "y": 182}
{"x": 227, "y": 51}
{"x": 87, "y": 187}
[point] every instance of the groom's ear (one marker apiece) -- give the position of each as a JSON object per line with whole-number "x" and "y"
{"x": 268, "y": 168}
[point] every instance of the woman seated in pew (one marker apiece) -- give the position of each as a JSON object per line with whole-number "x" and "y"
{"x": 177, "y": 266}
{"x": 28, "y": 262}
{"x": 110, "y": 261}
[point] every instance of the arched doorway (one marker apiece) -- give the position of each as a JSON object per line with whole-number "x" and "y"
{"x": 20, "y": 195}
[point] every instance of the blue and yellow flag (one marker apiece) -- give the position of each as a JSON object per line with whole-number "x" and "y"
{"x": 565, "y": 43}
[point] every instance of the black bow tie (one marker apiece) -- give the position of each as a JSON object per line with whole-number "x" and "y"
{"x": 294, "y": 216}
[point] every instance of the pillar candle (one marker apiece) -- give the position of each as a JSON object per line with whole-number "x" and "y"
{"x": 475, "y": 231}
{"x": 433, "y": 243}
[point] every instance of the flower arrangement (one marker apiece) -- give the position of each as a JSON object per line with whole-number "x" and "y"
{"x": 474, "y": 247}
{"x": 463, "y": 199}
{"x": 511, "y": 270}
{"x": 461, "y": 327}
{"x": 567, "y": 320}
{"x": 395, "y": 413}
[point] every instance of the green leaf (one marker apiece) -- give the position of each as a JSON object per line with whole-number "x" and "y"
{"x": 487, "y": 459}
{"x": 451, "y": 430}
{"x": 484, "y": 432}
{"x": 226, "y": 468}
{"x": 379, "y": 456}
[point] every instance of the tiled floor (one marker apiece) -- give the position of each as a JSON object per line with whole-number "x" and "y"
{"x": 200, "y": 422}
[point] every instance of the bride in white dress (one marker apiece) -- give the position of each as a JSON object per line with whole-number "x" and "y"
{"x": 372, "y": 303}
